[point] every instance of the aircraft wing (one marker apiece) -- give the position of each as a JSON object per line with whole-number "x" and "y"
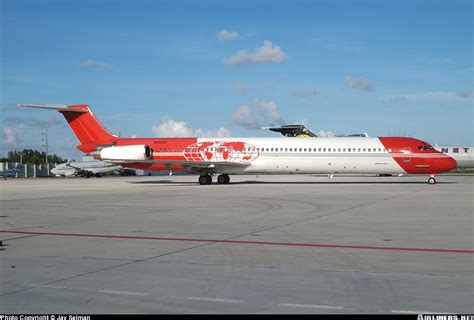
{"x": 191, "y": 165}
{"x": 102, "y": 169}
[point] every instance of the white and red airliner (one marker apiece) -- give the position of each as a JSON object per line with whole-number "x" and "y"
{"x": 226, "y": 156}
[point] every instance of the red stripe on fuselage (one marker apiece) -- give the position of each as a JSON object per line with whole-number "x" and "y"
{"x": 415, "y": 160}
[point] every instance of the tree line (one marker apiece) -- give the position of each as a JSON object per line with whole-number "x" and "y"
{"x": 30, "y": 156}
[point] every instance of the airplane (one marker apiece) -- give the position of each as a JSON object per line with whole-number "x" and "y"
{"x": 226, "y": 156}
{"x": 464, "y": 156}
{"x": 300, "y": 131}
{"x": 84, "y": 168}
{"x": 9, "y": 173}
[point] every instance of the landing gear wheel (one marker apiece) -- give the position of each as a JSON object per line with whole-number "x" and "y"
{"x": 431, "y": 180}
{"x": 205, "y": 179}
{"x": 223, "y": 179}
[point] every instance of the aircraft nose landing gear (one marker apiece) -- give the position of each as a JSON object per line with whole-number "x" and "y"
{"x": 431, "y": 179}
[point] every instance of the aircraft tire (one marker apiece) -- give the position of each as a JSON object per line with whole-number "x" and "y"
{"x": 205, "y": 179}
{"x": 223, "y": 179}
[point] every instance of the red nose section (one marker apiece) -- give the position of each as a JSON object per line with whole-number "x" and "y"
{"x": 447, "y": 164}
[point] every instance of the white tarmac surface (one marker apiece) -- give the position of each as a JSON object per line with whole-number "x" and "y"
{"x": 267, "y": 244}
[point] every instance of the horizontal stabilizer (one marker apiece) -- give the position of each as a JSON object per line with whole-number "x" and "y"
{"x": 59, "y": 107}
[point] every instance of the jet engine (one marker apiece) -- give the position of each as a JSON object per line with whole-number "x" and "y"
{"x": 126, "y": 153}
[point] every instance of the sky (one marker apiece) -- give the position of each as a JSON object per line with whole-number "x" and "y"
{"x": 227, "y": 68}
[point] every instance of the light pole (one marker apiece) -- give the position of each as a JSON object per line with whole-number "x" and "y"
{"x": 44, "y": 139}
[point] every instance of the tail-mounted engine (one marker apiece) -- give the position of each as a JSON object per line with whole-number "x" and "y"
{"x": 124, "y": 153}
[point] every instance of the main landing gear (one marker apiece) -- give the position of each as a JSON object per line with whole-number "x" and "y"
{"x": 431, "y": 179}
{"x": 207, "y": 179}
{"x": 223, "y": 179}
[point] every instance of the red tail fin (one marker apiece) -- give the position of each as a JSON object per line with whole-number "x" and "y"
{"x": 86, "y": 127}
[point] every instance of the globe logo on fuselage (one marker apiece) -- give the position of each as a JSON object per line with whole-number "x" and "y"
{"x": 221, "y": 151}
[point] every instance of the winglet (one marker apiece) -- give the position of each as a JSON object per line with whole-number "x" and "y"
{"x": 59, "y": 107}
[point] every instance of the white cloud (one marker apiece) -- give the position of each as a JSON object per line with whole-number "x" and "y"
{"x": 172, "y": 128}
{"x": 263, "y": 113}
{"x": 10, "y": 135}
{"x": 223, "y": 133}
{"x": 304, "y": 93}
{"x": 436, "y": 96}
{"x": 323, "y": 133}
{"x": 226, "y": 35}
{"x": 93, "y": 64}
{"x": 267, "y": 53}
{"x": 358, "y": 83}
{"x": 243, "y": 117}
{"x": 269, "y": 109}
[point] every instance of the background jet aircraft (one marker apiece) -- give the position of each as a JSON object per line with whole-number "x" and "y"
{"x": 464, "y": 156}
{"x": 10, "y": 173}
{"x": 300, "y": 131}
{"x": 84, "y": 168}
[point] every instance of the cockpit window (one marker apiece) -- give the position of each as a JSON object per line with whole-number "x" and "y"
{"x": 425, "y": 147}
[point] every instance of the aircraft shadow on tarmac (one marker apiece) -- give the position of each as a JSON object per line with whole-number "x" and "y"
{"x": 292, "y": 182}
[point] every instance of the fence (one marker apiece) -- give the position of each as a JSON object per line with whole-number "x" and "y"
{"x": 28, "y": 170}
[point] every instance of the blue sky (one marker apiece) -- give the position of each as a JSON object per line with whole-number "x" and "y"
{"x": 156, "y": 68}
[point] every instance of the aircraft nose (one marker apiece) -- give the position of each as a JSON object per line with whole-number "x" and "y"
{"x": 448, "y": 164}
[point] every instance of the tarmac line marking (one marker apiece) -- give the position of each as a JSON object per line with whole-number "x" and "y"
{"x": 34, "y": 285}
{"x": 213, "y": 299}
{"x": 52, "y": 286}
{"x": 418, "y": 312}
{"x": 313, "y": 306}
{"x": 128, "y": 293}
{"x": 318, "y": 245}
